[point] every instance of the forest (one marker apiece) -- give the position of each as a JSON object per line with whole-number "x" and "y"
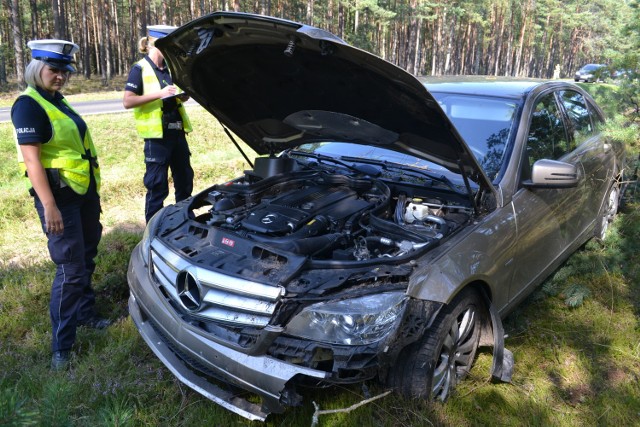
{"x": 524, "y": 38}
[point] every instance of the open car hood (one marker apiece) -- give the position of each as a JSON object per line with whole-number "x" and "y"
{"x": 278, "y": 84}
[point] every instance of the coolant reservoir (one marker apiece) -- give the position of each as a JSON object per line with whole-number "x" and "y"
{"x": 415, "y": 212}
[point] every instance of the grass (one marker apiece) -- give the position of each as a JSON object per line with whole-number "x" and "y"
{"x": 576, "y": 364}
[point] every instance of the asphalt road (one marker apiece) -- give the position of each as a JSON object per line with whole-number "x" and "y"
{"x": 85, "y": 108}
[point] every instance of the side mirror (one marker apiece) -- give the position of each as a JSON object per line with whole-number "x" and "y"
{"x": 552, "y": 174}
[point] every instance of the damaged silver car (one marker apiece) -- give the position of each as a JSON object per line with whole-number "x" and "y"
{"x": 387, "y": 227}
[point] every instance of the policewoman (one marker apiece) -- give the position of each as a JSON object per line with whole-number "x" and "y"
{"x": 57, "y": 155}
{"x": 161, "y": 120}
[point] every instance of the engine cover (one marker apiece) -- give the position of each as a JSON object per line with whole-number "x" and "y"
{"x": 287, "y": 213}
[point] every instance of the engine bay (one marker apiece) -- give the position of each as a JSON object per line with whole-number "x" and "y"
{"x": 324, "y": 214}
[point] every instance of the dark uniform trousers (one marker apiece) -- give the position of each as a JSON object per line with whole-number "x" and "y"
{"x": 73, "y": 252}
{"x": 160, "y": 155}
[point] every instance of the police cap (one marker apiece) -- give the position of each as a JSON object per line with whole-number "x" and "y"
{"x": 54, "y": 53}
{"x": 159, "y": 31}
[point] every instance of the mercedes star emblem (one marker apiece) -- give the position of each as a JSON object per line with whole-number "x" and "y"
{"x": 268, "y": 219}
{"x": 189, "y": 290}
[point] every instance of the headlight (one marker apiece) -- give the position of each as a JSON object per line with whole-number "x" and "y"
{"x": 354, "y": 321}
{"x": 149, "y": 233}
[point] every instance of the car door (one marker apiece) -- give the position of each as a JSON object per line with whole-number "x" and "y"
{"x": 546, "y": 218}
{"x": 596, "y": 156}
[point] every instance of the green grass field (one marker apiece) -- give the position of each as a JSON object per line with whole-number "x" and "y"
{"x": 576, "y": 340}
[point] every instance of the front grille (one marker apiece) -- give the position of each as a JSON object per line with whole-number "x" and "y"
{"x": 222, "y": 298}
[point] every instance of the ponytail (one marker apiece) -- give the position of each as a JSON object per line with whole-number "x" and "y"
{"x": 143, "y": 45}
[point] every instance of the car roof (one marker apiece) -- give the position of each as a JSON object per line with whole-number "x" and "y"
{"x": 593, "y": 66}
{"x": 505, "y": 87}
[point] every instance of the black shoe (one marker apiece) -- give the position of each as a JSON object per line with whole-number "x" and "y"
{"x": 95, "y": 322}
{"x": 60, "y": 360}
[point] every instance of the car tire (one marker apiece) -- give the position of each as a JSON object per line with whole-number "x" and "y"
{"x": 607, "y": 212}
{"x": 431, "y": 367}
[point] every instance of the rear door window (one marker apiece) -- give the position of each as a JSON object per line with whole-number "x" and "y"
{"x": 581, "y": 122}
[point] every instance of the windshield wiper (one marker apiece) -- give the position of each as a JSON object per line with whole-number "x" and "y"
{"x": 384, "y": 165}
{"x": 387, "y": 165}
{"x": 336, "y": 160}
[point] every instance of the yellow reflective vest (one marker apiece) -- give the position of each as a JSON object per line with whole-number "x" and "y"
{"x": 149, "y": 116}
{"x": 65, "y": 151}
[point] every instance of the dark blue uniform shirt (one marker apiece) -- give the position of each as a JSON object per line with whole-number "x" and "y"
{"x": 32, "y": 123}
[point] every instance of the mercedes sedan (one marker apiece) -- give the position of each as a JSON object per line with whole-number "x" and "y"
{"x": 387, "y": 227}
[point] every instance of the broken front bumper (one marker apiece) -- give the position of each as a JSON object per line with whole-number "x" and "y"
{"x": 174, "y": 342}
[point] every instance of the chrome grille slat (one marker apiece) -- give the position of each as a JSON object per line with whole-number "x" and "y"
{"x": 214, "y": 313}
{"x": 237, "y": 302}
{"x": 163, "y": 272}
{"x": 239, "y": 286}
{"x": 170, "y": 258}
{"x": 224, "y": 298}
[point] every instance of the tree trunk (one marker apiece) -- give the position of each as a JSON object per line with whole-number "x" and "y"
{"x": 438, "y": 30}
{"x": 16, "y": 29}
{"x": 341, "y": 20}
{"x": 141, "y": 13}
{"x": 498, "y": 30}
{"x": 417, "y": 57}
{"x": 518, "y": 59}
{"x": 106, "y": 44}
{"x": 309, "y": 12}
{"x": 63, "y": 21}
{"x": 57, "y": 24}
{"x": 465, "y": 49}
{"x": 86, "y": 47}
{"x": 3, "y": 71}
{"x": 98, "y": 45}
{"x": 116, "y": 40}
{"x": 132, "y": 42}
{"x": 450, "y": 38}
{"x": 408, "y": 59}
{"x": 508, "y": 55}
{"x": 477, "y": 60}
{"x": 575, "y": 46}
{"x": 35, "y": 18}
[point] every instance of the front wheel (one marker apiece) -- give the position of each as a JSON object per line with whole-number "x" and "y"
{"x": 431, "y": 367}
{"x": 608, "y": 212}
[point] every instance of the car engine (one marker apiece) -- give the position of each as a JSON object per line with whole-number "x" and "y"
{"x": 325, "y": 214}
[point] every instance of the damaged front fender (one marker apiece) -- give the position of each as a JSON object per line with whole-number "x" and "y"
{"x": 502, "y": 365}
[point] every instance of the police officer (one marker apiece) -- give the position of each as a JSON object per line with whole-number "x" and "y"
{"x": 162, "y": 121}
{"x": 56, "y": 153}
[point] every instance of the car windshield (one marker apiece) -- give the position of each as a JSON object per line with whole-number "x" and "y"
{"x": 484, "y": 123}
{"x": 591, "y": 67}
